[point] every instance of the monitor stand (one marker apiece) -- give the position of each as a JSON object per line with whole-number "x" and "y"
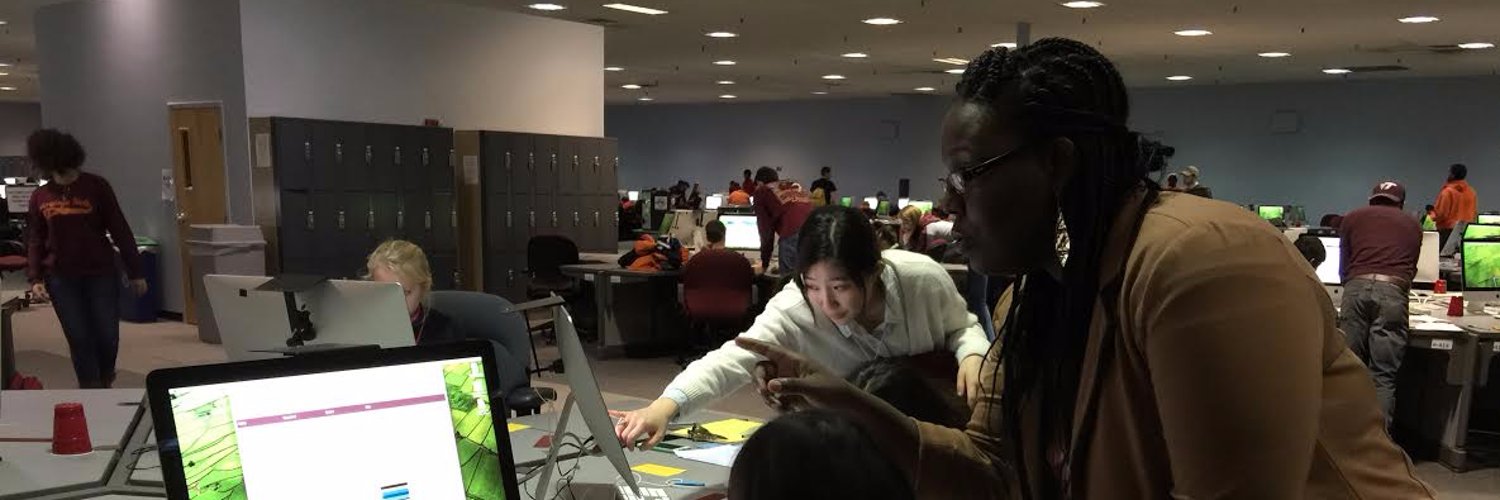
{"x": 558, "y": 431}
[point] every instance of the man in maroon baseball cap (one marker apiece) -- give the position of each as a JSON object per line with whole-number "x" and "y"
{"x": 1379, "y": 245}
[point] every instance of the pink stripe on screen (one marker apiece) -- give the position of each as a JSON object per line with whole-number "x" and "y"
{"x": 340, "y": 410}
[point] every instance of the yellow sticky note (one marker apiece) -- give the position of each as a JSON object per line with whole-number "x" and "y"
{"x": 516, "y": 427}
{"x": 658, "y": 470}
{"x": 734, "y": 430}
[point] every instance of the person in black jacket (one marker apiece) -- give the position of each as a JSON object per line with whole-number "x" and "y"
{"x": 404, "y": 263}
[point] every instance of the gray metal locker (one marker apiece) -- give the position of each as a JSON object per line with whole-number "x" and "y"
{"x": 358, "y": 224}
{"x": 444, "y": 223}
{"x": 609, "y": 167}
{"x": 520, "y": 221}
{"x": 566, "y": 207}
{"x": 386, "y": 206}
{"x": 443, "y": 267}
{"x": 516, "y": 277}
{"x": 349, "y": 157}
{"x": 588, "y": 166}
{"x": 328, "y": 219}
{"x": 293, "y": 153}
{"x": 379, "y": 152}
{"x": 524, "y": 163}
{"x": 544, "y": 177}
{"x": 409, "y": 148}
{"x": 440, "y": 161}
{"x": 296, "y": 227}
{"x": 568, "y": 149}
{"x": 605, "y": 232}
{"x": 327, "y": 174}
{"x": 497, "y": 162}
{"x": 417, "y": 209}
{"x": 496, "y": 217}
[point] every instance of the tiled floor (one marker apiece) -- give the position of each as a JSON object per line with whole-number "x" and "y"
{"x": 41, "y": 351}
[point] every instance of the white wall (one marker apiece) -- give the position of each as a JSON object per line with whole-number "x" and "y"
{"x": 17, "y": 120}
{"x": 111, "y": 67}
{"x": 400, "y": 61}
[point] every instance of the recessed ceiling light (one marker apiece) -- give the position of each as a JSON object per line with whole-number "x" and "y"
{"x": 725, "y": 82}
{"x": 630, "y": 86}
{"x": 833, "y": 77}
{"x": 1476, "y": 45}
{"x": 8, "y": 89}
{"x": 721, "y": 34}
{"x": 924, "y": 89}
{"x": 1274, "y": 55}
{"x": 820, "y": 92}
{"x": 1081, "y": 4}
{"x": 951, "y": 60}
{"x": 1008, "y": 45}
{"x": 1179, "y": 78}
{"x": 955, "y": 71}
{"x": 4, "y": 65}
{"x": 882, "y": 21}
{"x": 546, "y": 6}
{"x": 3, "y": 23}
{"x": 729, "y": 96}
{"x": 856, "y": 55}
{"x": 1419, "y": 20}
{"x": 1337, "y": 71}
{"x": 1193, "y": 32}
{"x": 645, "y": 98}
{"x": 613, "y": 68}
{"x": 725, "y": 62}
{"x": 635, "y": 8}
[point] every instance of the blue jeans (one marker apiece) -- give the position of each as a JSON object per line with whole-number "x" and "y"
{"x": 88, "y": 307}
{"x": 1374, "y": 320}
{"x": 981, "y": 293}
{"x": 787, "y": 255}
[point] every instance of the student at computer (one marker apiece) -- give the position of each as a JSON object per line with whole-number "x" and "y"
{"x": 814, "y": 455}
{"x": 713, "y": 236}
{"x": 404, "y": 263}
{"x": 847, "y": 305}
{"x": 780, "y": 210}
{"x": 1311, "y": 249}
{"x": 940, "y": 229}
{"x": 1179, "y": 351}
{"x": 913, "y": 236}
{"x": 749, "y": 183}
{"x": 1457, "y": 202}
{"x": 738, "y": 197}
{"x": 1379, "y": 245}
{"x": 71, "y": 261}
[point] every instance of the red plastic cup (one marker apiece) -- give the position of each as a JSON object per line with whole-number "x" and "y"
{"x": 70, "y": 430}
{"x": 1440, "y": 286}
{"x": 1456, "y": 306}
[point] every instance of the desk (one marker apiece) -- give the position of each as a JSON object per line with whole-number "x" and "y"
{"x": 31, "y": 470}
{"x": 1434, "y": 402}
{"x": 10, "y": 302}
{"x": 27, "y": 415}
{"x": 118, "y": 424}
{"x": 597, "y": 470}
{"x": 605, "y": 277}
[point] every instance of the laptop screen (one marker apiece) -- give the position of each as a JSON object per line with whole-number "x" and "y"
{"x": 420, "y": 430}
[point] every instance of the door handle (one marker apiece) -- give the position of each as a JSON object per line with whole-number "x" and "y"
{"x": 338, "y": 152}
{"x": 554, "y": 218}
{"x": 401, "y": 220}
{"x": 507, "y": 161}
{"x": 307, "y": 151}
{"x": 396, "y": 155}
{"x": 575, "y": 218}
{"x": 451, "y": 163}
{"x": 311, "y": 221}
{"x": 510, "y": 276}
{"x": 182, "y": 217}
{"x": 531, "y": 161}
{"x": 596, "y": 218}
{"x": 507, "y": 220}
{"x": 370, "y": 220}
{"x": 341, "y": 220}
{"x": 369, "y": 155}
{"x": 532, "y": 216}
{"x": 427, "y": 220}
{"x": 425, "y": 158}
{"x": 453, "y": 219}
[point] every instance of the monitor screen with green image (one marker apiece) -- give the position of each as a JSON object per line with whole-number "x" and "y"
{"x": 847, "y": 201}
{"x": 1271, "y": 212}
{"x": 883, "y": 208}
{"x": 666, "y": 222}
{"x": 924, "y": 206}
{"x": 1481, "y": 265}
{"x": 1482, "y": 232}
{"x": 1489, "y": 219}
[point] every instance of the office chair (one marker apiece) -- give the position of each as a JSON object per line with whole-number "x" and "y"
{"x": 490, "y": 317}
{"x": 716, "y": 292}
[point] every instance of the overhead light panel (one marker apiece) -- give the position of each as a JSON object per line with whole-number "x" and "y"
{"x": 1193, "y": 32}
{"x": 546, "y": 6}
{"x": 833, "y": 77}
{"x": 1476, "y": 45}
{"x": 725, "y": 62}
{"x": 725, "y": 82}
{"x": 1008, "y": 45}
{"x": 3, "y": 23}
{"x": 856, "y": 55}
{"x": 635, "y": 8}
{"x": 721, "y": 34}
{"x": 630, "y": 86}
{"x": 613, "y": 68}
{"x": 1418, "y": 20}
{"x": 924, "y": 89}
{"x": 1080, "y": 4}
{"x": 4, "y": 65}
{"x": 1274, "y": 55}
{"x": 1179, "y": 78}
{"x": 820, "y": 92}
{"x": 729, "y": 96}
{"x": 8, "y": 89}
{"x": 1337, "y": 71}
{"x": 881, "y": 21}
{"x": 2, "y": 73}
{"x": 955, "y": 71}
{"x": 645, "y": 98}
{"x": 952, "y": 60}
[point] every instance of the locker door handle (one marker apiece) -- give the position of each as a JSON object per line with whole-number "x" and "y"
{"x": 458, "y": 281}
{"x": 575, "y": 163}
{"x": 338, "y": 152}
{"x": 531, "y": 161}
{"x": 507, "y": 161}
{"x": 370, "y": 220}
{"x": 401, "y": 219}
{"x": 426, "y": 160}
{"x": 554, "y": 162}
{"x": 510, "y": 277}
{"x": 427, "y": 220}
{"x": 554, "y": 218}
{"x": 311, "y": 221}
{"x": 596, "y": 218}
{"x": 532, "y": 216}
{"x": 575, "y": 218}
{"x": 341, "y": 220}
{"x": 596, "y": 165}
{"x": 369, "y": 155}
{"x": 396, "y": 155}
{"x": 507, "y": 220}
{"x": 453, "y": 218}
{"x": 451, "y": 163}
{"x": 307, "y": 150}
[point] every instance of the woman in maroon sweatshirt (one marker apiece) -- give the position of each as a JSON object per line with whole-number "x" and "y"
{"x": 71, "y": 260}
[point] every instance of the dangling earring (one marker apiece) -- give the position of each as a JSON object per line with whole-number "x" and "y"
{"x": 1062, "y": 242}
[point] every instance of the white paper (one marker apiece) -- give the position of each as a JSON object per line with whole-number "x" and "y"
{"x": 263, "y": 150}
{"x": 1437, "y": 326}
{"x": 471, "y": 170}
{"x": 721, "y": 455}
{"x": 18, "y": 199}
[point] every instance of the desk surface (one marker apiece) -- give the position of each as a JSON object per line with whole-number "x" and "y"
{"x": 598, "y": 470}
{"x": 31, "y": 468}
{"x": 28, "y": 414}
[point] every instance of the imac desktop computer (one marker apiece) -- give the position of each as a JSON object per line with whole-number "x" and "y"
{"x": 1427, "y": 260}
{"x": 741, "y": 232}
{"x": 1481, "y": 269}
{"x": 1329, "y": 271}
{"x": 257, "y": 323}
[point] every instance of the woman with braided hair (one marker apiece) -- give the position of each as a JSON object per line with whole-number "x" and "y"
{"x": 1178, "y": 350}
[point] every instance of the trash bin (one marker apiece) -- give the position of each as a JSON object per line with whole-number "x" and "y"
{"x": 221, "y": 249}
{"x": 143, "y": 309}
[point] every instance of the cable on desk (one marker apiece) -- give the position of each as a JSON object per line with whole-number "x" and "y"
{"x": 136, "y": 454}
{"x": 565, "y": 478}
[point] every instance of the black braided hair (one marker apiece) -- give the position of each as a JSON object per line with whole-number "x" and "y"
{"x": 1060, "y": 88}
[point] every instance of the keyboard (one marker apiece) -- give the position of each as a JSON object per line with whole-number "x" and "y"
{"x": 646, "y": 494}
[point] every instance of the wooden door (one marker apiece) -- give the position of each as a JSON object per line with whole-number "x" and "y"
{"x": 197, "y": 135}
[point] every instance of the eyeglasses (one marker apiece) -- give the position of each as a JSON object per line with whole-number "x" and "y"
{"x": 957, "y": 178}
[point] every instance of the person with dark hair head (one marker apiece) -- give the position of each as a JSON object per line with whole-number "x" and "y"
{"x": 1172, "y": 183}
{"x": 825, "y": 183}
{"x": 896, "y": 382}
{"x": 1457, "y": 202}
{"x": 1174, "y": 348}
{"x": 848, "y": 304}
{"x": 71, "y": 260}
{"x": 815, "y": 455}
{"x": 1379, "y": 245}
{"x": 780, "y": 210}
{"x": 748, "y": 182}
{"x": 1311, "y": 249}
{"x": 714, "y": 233}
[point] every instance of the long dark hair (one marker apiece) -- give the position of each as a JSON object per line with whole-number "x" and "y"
{"x": 1060, "y": 88}
{"x": 840, "y": 235}
{"x": 815, "y": 454}
{"x": 52, "y": 151}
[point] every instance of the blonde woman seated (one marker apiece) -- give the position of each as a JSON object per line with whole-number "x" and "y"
{"x": 404, "y": 263}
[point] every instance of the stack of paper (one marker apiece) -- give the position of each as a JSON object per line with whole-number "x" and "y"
{"x": 721, "y": 455}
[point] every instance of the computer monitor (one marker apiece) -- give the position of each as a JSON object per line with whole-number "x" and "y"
{"x": 1491, "y": 218}
{"x": 1328, "y": 271}
{"x": 667, "y": 221}
{"x": 924, "y": 206}
{"x": 253, "y": 324}
{"x": 901, "y": 203}
{"x": 741, "y": 232}
{"x": 633, "y": 195}
{"x": 713, "y": 202}
{"x": 883, "y": 208}
{"x": 1481, "y": 269}
{"x": 392, "y": 424}
{"x": 1482, "y": 232}
{"x": 847, "y": 201}
{"x": 1451, "y": 247}
{"x": 1271, "y": 213}
{"x": 1428, "y": 261}
{"x": 872, "y": 201}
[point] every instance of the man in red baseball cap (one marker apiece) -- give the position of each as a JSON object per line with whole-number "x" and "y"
{"x": 1379, "y": 245}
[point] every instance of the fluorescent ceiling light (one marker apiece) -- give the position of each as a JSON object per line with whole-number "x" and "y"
{"x": 1476, "y": 45}
{"x": 856, "y": 55}
{"x": 1193, "y": 32}
{"x": 725, "y": 62}
{"x": 1274, "y": 55}
{"x": 725, "y": 82}
{"x": 881, "y": 21}
{"x": 614, "y": 68}
{"x": 635, "y": 8}
{"x": 955, "y": 71}
{"x": 833, "y": 77}
{"x": 630, "y": 86}
{"x": 4, "y": 65}
{"x": 720, "y": 34}
{"x": 3, "y": 23}
{"x": 729, "y": 96}
{"x": 1081, "y": 4}
{"x": 1419, "y": 20}
{"x": 924, "y": 89}
{"x": 1337, "y": 71}
{"x": 1179, "y": 78}
{"x": 8, "y": 89}
{"x": 2, "y": 73}
{"x": 951, "y": 60}
{"x": 1008, "y": 45}
{"x": 820, "y": 92}
{"x": 546, "y": 6}
{"x": 645, "y": 98}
